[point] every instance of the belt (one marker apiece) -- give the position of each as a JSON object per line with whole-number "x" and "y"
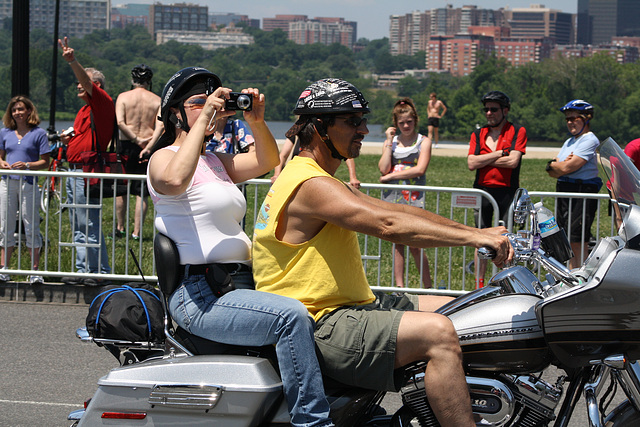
{"x": 201, "y": 269}
{"x": 76, "y": 165}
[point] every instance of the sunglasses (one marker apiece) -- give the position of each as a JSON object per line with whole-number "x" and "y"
{"x": 572, "y": 119}
{"x": 195, "y": 103}
{"x": 492, "y": 109}
{"x": 354, "y": 120}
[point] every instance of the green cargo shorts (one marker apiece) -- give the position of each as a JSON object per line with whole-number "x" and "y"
{"x": 357, "y": 344}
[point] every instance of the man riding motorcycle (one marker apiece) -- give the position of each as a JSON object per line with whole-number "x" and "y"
{"x": 305, "y": 247}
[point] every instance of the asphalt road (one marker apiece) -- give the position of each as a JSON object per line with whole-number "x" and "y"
{"x": 46, "y": 372}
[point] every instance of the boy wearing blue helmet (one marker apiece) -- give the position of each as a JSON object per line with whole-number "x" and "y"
{"x": 576, "y": 169}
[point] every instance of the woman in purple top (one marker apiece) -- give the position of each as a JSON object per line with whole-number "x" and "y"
{"x": 23, "y": 146}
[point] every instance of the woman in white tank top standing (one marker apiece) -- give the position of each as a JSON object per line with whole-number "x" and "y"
{"x": 404, "y": 161}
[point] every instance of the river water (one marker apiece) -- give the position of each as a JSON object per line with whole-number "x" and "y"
{"x": 376, "y": 132}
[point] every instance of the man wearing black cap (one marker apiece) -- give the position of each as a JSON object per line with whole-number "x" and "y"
{"x": 495, "y": 153}
{"x": 306, "y": 247}
{"x": 136, "y": 112}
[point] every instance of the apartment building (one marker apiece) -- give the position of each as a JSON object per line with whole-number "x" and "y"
{"x": 77, "y": 17}
{"x": 281, "y": 22}
{"x": 538, "y": 21}
{"x": 598, "y": 21}
{"x": 303, "y": 30}
{"x": 178, "y": 17}
{"x": 327, "y": 31}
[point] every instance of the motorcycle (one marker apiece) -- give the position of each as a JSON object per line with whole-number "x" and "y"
{"x": 585, "y": 323}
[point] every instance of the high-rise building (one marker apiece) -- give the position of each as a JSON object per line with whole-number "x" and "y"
{"x": 218, "y": 19}
{"x": 409, "y": 34}
{"x": 77, "y": 17}
{"x": 130, "y": 14}
{"x": 178, "y": 17}
{"x": 538, "y": 21}
{"x": 601, "y": 20}
{"x": 281, "y": 22}
{"x": 460, "y": 54}
{"x": 323, "y": 30}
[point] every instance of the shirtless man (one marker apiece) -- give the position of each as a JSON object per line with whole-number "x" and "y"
{"x": 435, "y": 111}
{"x": 136, "y": 112}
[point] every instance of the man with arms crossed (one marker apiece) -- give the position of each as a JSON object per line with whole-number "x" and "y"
{"x": 136, "y": 111}
{"x": 495, "y": 153}
{"x": 306, "y": 247}
{"x": 435, "y": 111}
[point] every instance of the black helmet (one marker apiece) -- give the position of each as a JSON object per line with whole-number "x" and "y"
{"x": 331, "y": 96}
{"x": 141, "y": 73}
{"x": 177, "y": 88}
{"x": 497, "y": 96}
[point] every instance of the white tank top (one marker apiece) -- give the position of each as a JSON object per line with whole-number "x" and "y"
{"x": 204, "y": 221}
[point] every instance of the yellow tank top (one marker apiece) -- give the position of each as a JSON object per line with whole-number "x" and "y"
{"x": 323, "y": 273}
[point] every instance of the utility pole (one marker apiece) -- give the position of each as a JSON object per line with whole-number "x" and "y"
{"x": 20, "y": 49}
{"x": 54, "y": 72}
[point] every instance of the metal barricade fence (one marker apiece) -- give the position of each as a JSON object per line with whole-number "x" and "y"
{"x": 448, "y": 265}
{"x": 61, "y": 244}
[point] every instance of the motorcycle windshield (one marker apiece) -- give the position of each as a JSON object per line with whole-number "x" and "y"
{"x": 623, "y": 177}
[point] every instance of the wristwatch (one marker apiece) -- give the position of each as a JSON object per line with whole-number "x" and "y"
{"x": 548, "y": 167}
{"x": 27, "y": 165}
{"x": 505, "y": 153}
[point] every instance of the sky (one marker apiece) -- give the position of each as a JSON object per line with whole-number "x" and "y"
{"x": 372, "y": 16}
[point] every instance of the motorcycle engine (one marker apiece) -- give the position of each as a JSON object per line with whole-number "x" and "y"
{"x": 504, "y": 400}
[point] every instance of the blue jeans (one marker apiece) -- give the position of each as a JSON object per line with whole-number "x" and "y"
{"x": 86, "y": 230}
{"x": 253, "y": 318}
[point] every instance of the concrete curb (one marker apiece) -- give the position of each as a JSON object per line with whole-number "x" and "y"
{"x": 59, "y": 293}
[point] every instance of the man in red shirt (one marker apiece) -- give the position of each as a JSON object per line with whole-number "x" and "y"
{"x": 633, "y": 151}
{"x": 495, "y": 153}
{"x": 94, "y": 120}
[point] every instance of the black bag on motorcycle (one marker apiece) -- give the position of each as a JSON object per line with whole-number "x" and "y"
{"x": 127, "y": 314}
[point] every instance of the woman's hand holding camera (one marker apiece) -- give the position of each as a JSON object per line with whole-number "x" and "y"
{"x": 257, "y": 112}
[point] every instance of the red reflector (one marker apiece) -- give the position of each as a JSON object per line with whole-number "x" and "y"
{"x": 124, "y": 415}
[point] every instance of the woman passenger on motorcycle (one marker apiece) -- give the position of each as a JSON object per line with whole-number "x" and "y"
{"x": 576, "y": 169}
{"x": 199, "y": 207}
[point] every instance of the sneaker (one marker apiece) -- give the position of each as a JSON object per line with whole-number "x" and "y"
{"x": 5, "y": 278}
{"x": 36, "y": 279}
{"x": 93, "y": 282}
{"x": 72, "y": 280}
{"x": 134, "y": 237}
{"x": 119, "y": 233}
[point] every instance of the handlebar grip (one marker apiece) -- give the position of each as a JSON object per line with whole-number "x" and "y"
{"x": 486, "y": 253}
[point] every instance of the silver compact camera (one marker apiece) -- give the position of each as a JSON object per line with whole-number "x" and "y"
{"x": 239, "y": 101}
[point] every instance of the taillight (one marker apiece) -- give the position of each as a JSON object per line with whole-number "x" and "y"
{"x": 125, "y": 415}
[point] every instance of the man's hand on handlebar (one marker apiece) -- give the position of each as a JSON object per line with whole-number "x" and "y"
{"x": 501, "y": 251}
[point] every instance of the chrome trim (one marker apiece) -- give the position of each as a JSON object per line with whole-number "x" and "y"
{"x": 203, "y": 397}
{"x": 539, "y": 391}
{"x": 76, "y": 415}
{"x": 83, "y": 335}
{"x": 629, "y": 379}
{"x": 493, "y": 389}
{"x": 591, "y": 390}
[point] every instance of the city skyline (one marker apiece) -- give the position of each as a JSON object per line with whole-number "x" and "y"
{"x": 372, "y": 16}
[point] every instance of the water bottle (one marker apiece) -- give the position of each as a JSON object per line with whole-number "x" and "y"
{"x": 554, "y": 239}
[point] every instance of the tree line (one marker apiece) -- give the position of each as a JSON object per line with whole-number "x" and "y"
{"x": 282, "y": 69}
